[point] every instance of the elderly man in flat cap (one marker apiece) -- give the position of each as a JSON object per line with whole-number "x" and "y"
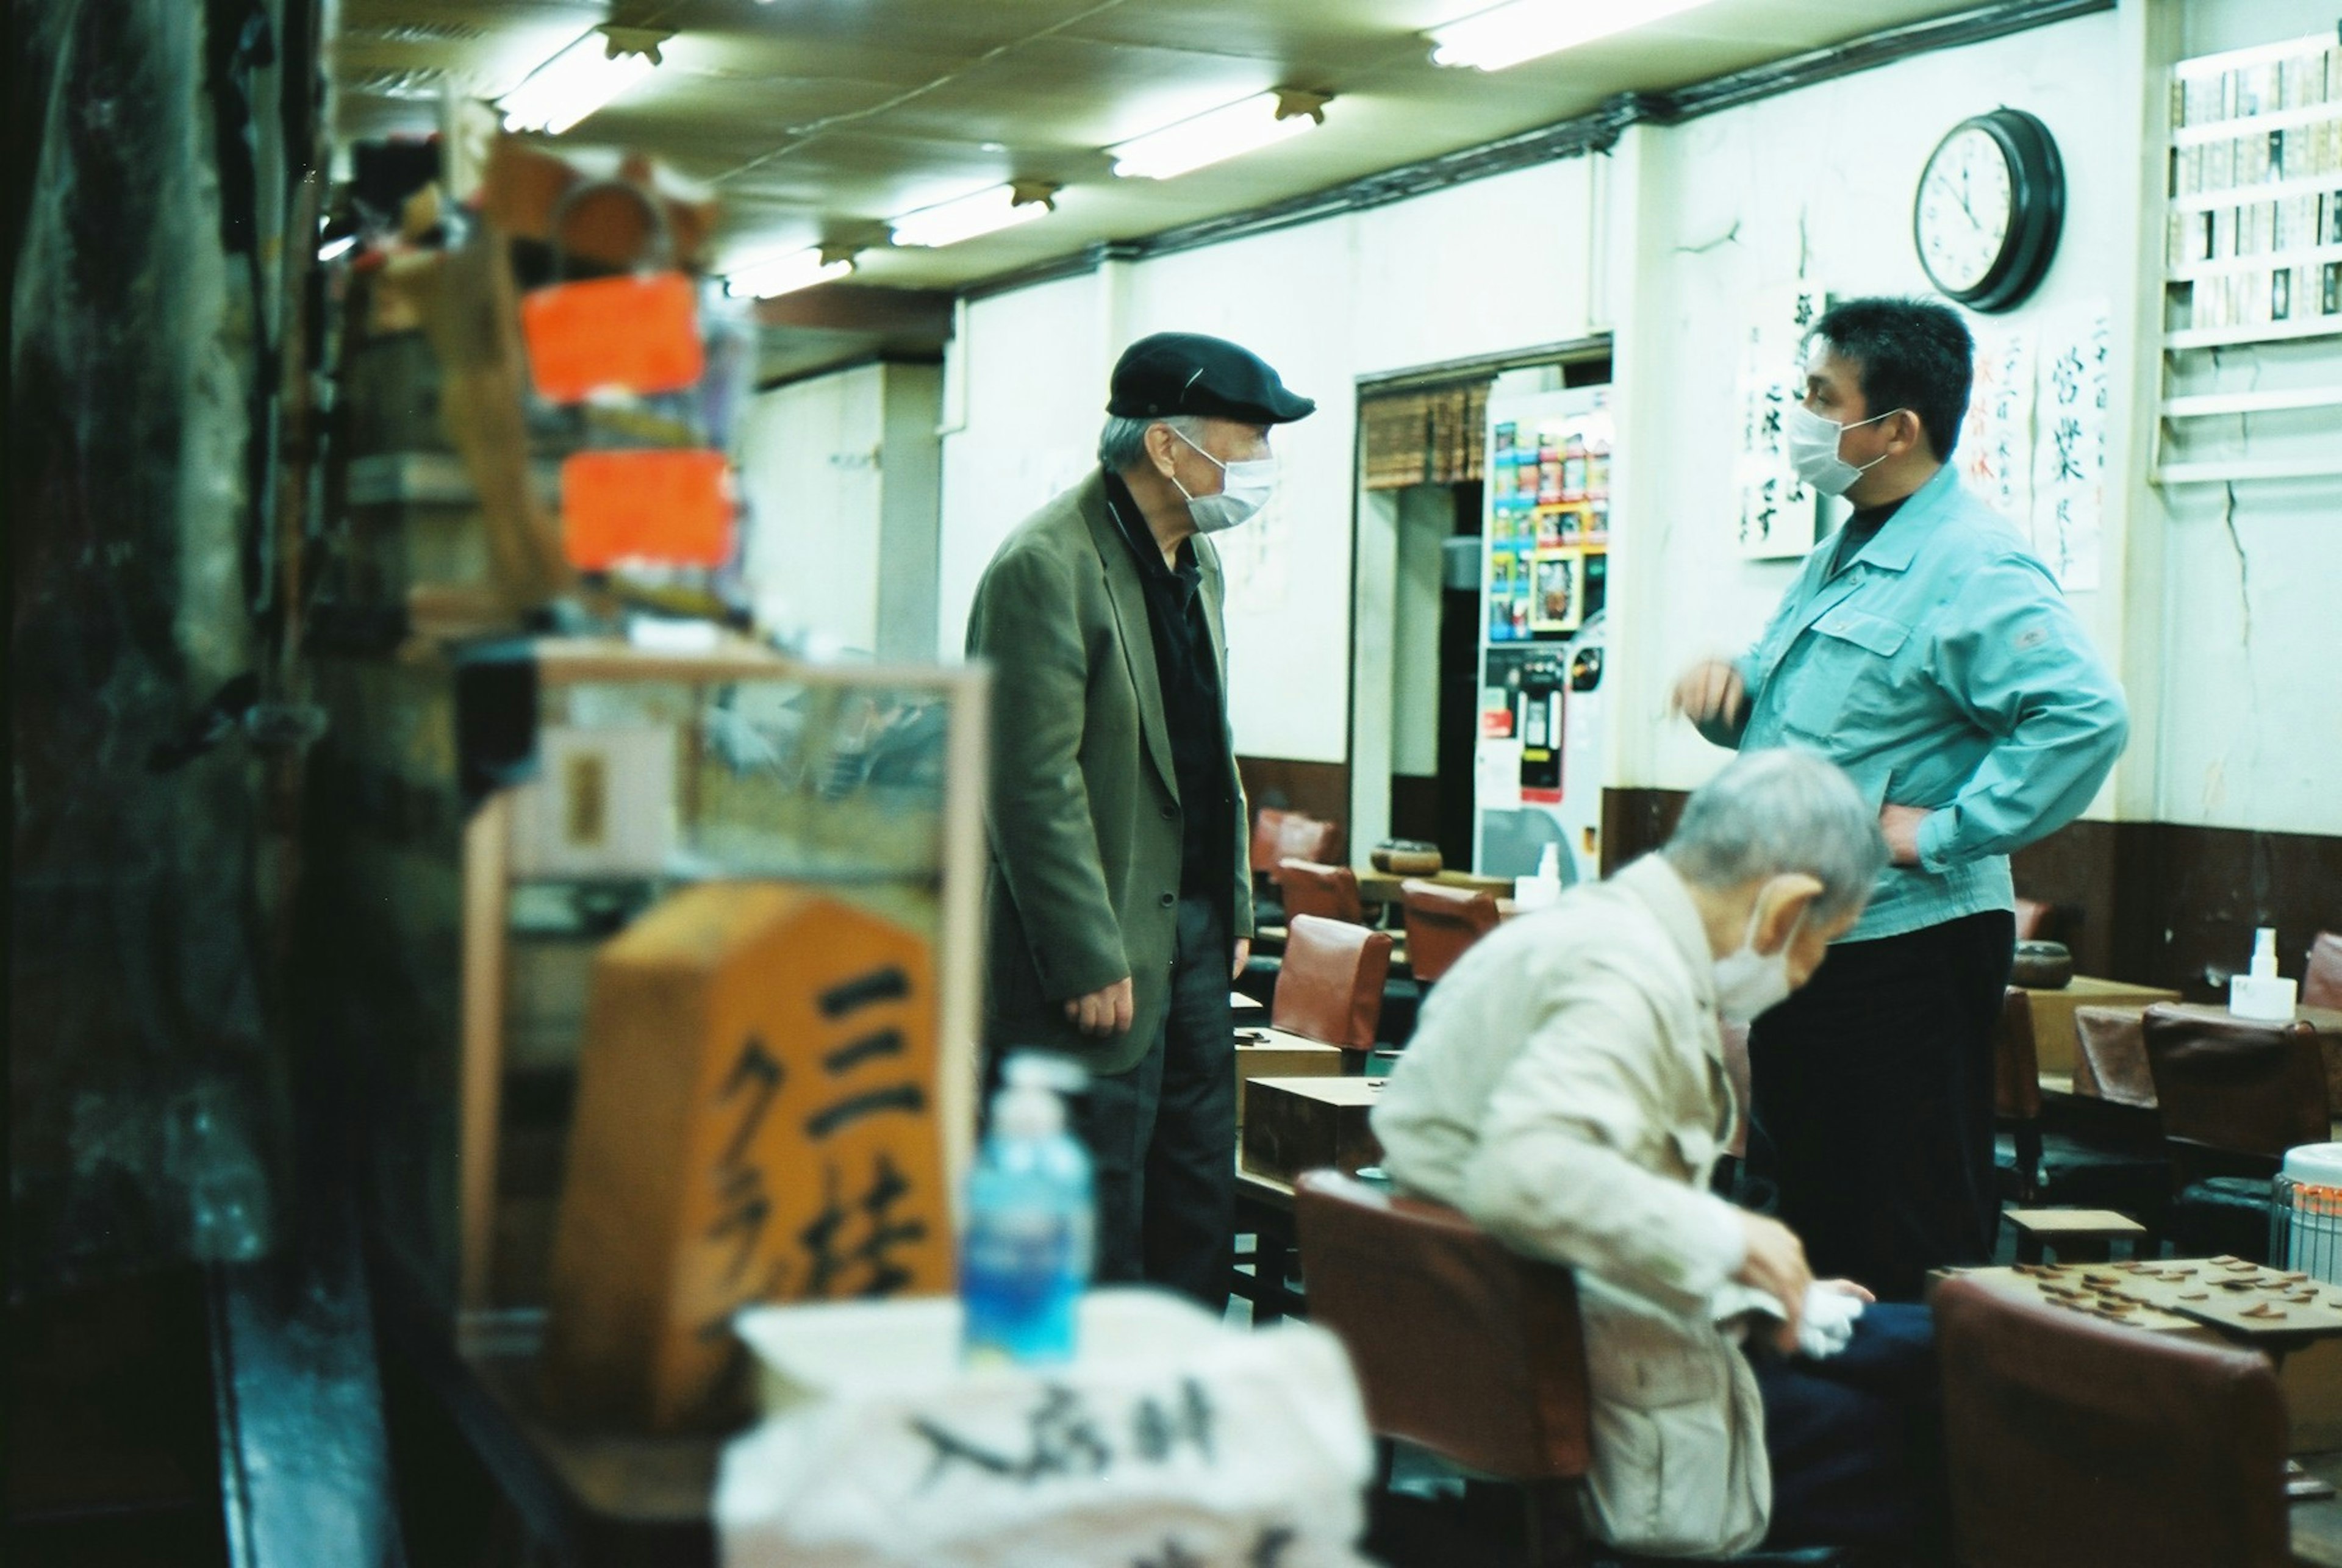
{"x": 1120, "y": 896}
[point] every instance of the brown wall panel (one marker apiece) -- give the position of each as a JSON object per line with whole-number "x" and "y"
{"x": 2157, "y": 903}
{"x": 1320, "y": 789}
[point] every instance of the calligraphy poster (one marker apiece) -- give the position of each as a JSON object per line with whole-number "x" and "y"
{"x": 1777, "y": 512}
{"x": 1996, "y": 447}
{"x": 2070, "y": 453}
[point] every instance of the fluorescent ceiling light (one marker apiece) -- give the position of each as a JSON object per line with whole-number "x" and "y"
{"x": 1527, "y": 29}
{"x": 1242, "y": 127}
{"x": 582, "y": 78}
{"x": 983, "y": 213}
{"x": 785, "y": 275}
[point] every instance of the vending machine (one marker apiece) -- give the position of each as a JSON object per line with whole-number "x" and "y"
{"x": 1545, "y": 553}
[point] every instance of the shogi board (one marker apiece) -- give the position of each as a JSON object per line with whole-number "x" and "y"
{"x": 1264, "y": 1053}
{"x": 1297, "y": 1124}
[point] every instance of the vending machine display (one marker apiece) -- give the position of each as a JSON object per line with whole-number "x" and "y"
{"x": 1545, "y": 552}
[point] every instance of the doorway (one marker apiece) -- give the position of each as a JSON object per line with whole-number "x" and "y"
{"x": 1418, "y": 595}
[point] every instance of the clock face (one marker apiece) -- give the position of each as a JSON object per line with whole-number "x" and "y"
{"x": 1967, "y": 203}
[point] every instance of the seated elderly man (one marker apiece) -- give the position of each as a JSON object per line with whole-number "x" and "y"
{"x": 1565, "y": 1089}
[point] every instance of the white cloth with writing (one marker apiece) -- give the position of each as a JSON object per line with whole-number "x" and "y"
{"x": 1172, "y": 1439}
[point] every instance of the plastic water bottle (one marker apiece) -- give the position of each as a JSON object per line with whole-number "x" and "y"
{"x": 1025, "y": 1252}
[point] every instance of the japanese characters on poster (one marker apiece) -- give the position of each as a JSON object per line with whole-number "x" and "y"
{"x": 1996, "y": 445}
{"x": 1777, "y": 511}
{"x": 2069, "y": 455}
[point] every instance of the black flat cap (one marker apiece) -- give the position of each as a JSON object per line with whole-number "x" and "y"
{"x": 1188, "y": 373}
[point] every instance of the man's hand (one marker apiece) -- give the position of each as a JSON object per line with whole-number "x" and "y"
{"x": 1244, "y": 956}
{"x": 1848, "y": 1288}
{"x": 1103, "y": 1012}
{"x": 1900, "y": 823}
{"x": 1713, "y": 698}
{"x": 1775, "y": 1264}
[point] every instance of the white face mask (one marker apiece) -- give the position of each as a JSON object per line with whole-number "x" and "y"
{"x": 1244, "y": 489}
{"x": 1813, "y": 449}
{"x": 1749, "y": 983}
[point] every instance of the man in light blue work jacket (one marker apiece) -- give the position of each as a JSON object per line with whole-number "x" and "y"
{"x": 1927, "y": 652}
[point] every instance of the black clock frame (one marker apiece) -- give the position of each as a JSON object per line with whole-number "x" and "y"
{"x": 2036, "y": 207}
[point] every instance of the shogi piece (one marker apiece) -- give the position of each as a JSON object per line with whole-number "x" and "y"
{"x": 1297, "y": 1124}
{"x": 755, "y": 1122}
{"x": 1273, "y": 1053}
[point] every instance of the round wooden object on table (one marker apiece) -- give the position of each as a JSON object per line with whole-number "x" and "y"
{"x": 1405, "y": 857}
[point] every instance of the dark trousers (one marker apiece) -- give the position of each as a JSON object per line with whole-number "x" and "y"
{"x": 1855, "y": 1440}
{"x": 1161, "y": 1136}
{"x": 1873, "y": 1114}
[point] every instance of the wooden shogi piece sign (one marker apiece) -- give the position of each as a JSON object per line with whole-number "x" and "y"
{"x": 1265, "y": 1052}
{"x": 755, "y": 1122}
{"x": 1297, "y": 1124}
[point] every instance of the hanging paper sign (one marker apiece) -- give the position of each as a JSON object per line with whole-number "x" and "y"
{"x": 638, "y": 334}
{"x": 672, "y": 506}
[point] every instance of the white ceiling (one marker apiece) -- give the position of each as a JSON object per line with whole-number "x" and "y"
{"x": 817, "y": 120}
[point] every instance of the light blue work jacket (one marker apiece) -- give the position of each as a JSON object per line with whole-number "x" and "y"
{"x": 1941, "y": 668}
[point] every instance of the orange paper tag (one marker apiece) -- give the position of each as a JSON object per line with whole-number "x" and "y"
{"x": 669, "y": 506}
{"x": 634, "y": 334}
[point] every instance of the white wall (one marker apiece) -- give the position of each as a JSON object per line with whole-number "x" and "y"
{"x": 1427, "y": 515}
{"x": 1665, "y": 241}
{"x": 1815, "y": 184}
{"x": 1325, "y": 303}
{"x": 2244, "y": 615}
{"x": 809, "y": 465}
{"x": 841, "y": 475}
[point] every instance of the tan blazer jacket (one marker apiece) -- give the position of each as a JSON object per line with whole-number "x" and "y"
{"x": 1565, "y": 1089}
{"x": 1083, "y": 813}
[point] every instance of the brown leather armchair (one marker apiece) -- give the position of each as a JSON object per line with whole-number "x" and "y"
{"x": 1328, "y": 892}
{"x": 1441, "y": 924}
{"x": 2070, "y": 1441}
{"x": 1330, "y": 988}
{"x": 2235, "y": 1094}
{"x": 1461, "y": 1346}
{"x": 2110, "y": 1057}
{"x": 1303, "y": 837}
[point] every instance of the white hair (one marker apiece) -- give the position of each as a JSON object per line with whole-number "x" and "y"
{"x": 1122, "y": 444}
{"x": 1777, "y": 812}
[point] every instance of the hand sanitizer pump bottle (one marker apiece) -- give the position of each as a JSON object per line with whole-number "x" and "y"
{"x": 2262, "y": 994}
{"x": 1537, "y": 892}
{"x": 1025, "y": 1250}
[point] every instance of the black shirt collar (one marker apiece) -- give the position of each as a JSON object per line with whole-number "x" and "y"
{"x": 1136, "y": 534}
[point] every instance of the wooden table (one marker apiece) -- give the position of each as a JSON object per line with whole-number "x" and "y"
{"x": 1265, "y": 1210}
{"x": 2054, "y": 1041}
{"x": 1382, "y": 887}
{"x": 1240, "y": 1005}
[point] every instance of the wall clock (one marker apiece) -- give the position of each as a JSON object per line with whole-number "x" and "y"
{"x": 1991, "y": 202}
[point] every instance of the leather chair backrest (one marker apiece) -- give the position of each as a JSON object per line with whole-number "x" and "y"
{"x": 2110, "y": 1056}
{"x": 1267, "y": 824}
{"x": 1328, "y": 892}
{"x": 2016, "y": 1064}
{"x": 1303, "y": 837}
{"x": 1330, "y": 985}
{"x": 2072, "y": 1440}
{"x": 1441, "y": 922}
{"x": 2033, "y": 920}
{"x": 2321, "y": 981}
{"x": 1460, "y": 1344}
{"x": 2236, "y": 1085}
